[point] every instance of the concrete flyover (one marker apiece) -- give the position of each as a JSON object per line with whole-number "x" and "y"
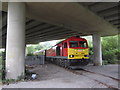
{"x": 51, "y": 21}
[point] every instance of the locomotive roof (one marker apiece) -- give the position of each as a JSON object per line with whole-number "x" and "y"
{"x": 73, "y": 37}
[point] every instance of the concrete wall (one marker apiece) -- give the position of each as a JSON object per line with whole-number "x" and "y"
{"x": 34, "y": 60}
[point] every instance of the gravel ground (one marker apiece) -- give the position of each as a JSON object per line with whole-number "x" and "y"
{"x": 109, "y": 70}
{"x": 52, "y": 76}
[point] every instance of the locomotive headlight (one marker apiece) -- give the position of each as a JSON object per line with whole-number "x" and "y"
{"x": 86, "y": 55}
{"x": 71, "y": 55}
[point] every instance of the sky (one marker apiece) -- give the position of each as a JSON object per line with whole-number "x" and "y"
{"x": 2, "y": 49}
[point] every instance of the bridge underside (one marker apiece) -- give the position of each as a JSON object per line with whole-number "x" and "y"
{"x": 52, "y": 21}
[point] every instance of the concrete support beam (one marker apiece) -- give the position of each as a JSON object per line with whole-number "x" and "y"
{"x": 97, "y": 52}
{"x": 15, "y": 49}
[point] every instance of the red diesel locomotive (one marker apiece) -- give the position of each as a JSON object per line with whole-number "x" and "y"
{"x": 73, "y": 51}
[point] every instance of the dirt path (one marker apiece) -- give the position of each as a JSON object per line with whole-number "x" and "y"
{"x": 53, "y": 76}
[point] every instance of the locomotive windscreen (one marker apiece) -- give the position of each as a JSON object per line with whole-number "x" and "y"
{"x": 73, "y": 44}
{"x": 82, "y": 44}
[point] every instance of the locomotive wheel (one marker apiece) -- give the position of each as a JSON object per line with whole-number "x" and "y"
{"x": 67, "y": 63}
{"x": 59, "y": 62}
{"x": 62, "y": 63}
{"x": 56, "y": 61}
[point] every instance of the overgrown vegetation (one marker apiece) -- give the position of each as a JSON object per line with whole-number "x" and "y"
{"x": 2, "y": 66}
{"x": 31, "y": 49}
{"x": 110, "y": 50}
{"x": 0, "y": 69}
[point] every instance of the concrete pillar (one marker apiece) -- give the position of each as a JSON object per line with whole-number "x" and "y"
{"x": 15, "y": 49}
{"x": 97, "y": 52}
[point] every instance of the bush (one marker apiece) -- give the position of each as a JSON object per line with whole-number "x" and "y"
{"x": 110, "y": 52}
{"x": 30, "y": 54}
{"x": 2, "y": 69}
{"x": 90, "y": 51}
{"x": 105, "y": 62}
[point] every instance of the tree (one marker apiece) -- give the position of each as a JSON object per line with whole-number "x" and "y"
{"x": 110, "y": 50}
{"x": 30, "y": 50}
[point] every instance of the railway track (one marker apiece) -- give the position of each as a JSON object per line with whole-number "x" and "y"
{"x": 89, "y": 74}
{"x": 94, "y": 76}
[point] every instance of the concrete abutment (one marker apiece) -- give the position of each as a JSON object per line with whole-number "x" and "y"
{"x": 15, "y": 48}
{"x": 97, "y": 52}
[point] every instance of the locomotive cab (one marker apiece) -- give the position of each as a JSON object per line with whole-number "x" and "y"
{"x": 78, "y": 52}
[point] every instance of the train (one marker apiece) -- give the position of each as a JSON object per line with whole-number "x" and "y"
{"x": 72, "y": 51}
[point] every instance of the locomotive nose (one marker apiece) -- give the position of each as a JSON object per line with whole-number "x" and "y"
{"x": 78, "y": 53}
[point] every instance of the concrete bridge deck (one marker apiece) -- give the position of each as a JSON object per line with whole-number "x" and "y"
{"x": 52, "y": 76}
